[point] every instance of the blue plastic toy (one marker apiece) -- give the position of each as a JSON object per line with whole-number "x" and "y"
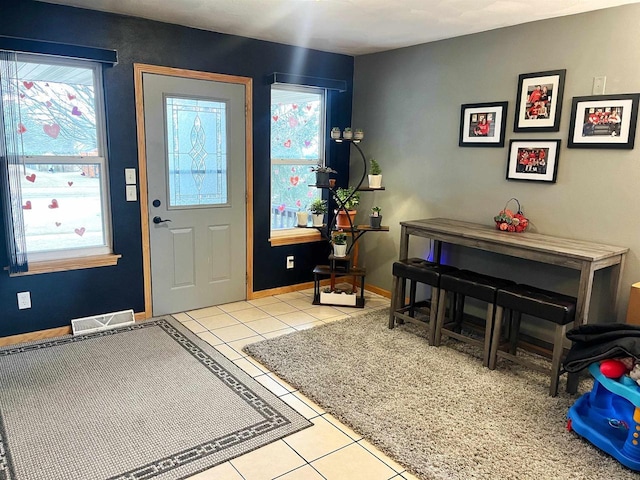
{"x": 609, "y": 417}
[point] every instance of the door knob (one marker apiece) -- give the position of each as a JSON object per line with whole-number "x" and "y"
{"x": 158, "y": 220}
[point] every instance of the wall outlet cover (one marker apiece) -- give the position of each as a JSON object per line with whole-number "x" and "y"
{"x": 24, "y": 300}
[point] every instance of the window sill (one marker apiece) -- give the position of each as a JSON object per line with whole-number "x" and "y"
{"x": 294, "y": 236}
{"x": 78, "y": 263}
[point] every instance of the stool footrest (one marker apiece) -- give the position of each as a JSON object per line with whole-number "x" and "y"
{"x": 463, "y": 338}
{"x": 524, "y": 362}
{"x": 409, "y": 318}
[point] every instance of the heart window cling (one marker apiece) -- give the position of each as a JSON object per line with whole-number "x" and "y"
{"x": 58, "y": 111}
{"x": 36, "y": 208}
{"x": 53, "y": 130}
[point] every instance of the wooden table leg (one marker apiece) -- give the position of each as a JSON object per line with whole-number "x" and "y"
{"x": 616, "y": 280}
{"x": 437, "y": 251}
{"x": 404, "y": 244}
{"x": 584, "y": 293}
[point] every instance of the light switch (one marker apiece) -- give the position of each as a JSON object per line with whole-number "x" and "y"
{"x": 132, "y": 195}
{"x": 598, "y": 85}
{"x": 130, "y": 176}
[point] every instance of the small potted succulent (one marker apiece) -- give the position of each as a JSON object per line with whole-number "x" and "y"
{"x": 322, "y": 174}
{"x": 375, "y": 174}
{"x": 318, "y": 208}
{"x": 375, "y": 219}
{"x": 347, "y": 134}
{"x": 339, "y": 241}
{"x": 358, "y": 134}
{"x": 335, "y": 133}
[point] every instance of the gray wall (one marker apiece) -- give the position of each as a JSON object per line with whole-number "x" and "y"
{"x": 408, "y": 102}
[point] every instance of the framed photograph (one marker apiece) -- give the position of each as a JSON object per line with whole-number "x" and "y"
{"x": 539, "y": 101}
{"x": 533, "y": 160}
{"x": 604, "y": 121}
{"x": 483, "y": 124}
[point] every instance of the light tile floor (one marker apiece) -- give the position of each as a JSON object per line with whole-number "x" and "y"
{"x": 328, "y": 450}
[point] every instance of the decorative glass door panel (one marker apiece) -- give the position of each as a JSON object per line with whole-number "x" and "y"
{"x": 196, "y": 152}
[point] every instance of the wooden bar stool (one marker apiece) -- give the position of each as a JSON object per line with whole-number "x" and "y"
{"x": 543, "y": 304}
{"x": 465, "y": 283}
{"x": 416, "y": 270}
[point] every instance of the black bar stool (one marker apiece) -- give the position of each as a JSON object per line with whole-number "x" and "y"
{"x": 416, "y": 270}
{"x": 550, "y": 306}
{"x": 465, "y": 283}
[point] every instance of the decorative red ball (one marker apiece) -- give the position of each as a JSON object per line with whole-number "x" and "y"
{"x": 612, "y": 368}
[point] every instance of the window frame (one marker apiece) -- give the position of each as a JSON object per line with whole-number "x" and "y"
{"x": 87, "y": 257}
{"x": 293, "y": 235}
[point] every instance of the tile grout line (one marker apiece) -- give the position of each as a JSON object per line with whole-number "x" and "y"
{"x": 275, "y": 378}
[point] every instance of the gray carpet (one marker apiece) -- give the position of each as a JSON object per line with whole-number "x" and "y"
{"x": 437, "y": 411}
{"x": 148, "y": 401}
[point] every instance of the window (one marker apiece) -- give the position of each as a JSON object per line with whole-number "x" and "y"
{"x": 197, "y": 149}
{"x": 297, "y": 144}
{"x": 62, "y": 149}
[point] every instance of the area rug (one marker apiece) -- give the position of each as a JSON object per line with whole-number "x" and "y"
{"x": 147, "y": 401}
{"x": 436, "y": 410}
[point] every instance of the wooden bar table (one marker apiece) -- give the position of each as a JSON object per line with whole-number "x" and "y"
{"x": 586, "y": 257}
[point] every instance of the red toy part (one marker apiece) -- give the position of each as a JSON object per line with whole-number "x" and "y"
{"x": 612, "y": 368}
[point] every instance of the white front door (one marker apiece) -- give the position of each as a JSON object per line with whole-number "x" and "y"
{"x": 195, "y": 157}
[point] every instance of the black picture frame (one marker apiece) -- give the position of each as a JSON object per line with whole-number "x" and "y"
{"x": 604, "y": 121}
{"x": 533, "y": 160}
{"x": 539, "y": 101}
{"x": 483, "y": 124}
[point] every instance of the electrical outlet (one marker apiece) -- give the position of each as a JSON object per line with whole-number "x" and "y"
{"x": 24, "y": 300}
{"x": 289, "y": 262}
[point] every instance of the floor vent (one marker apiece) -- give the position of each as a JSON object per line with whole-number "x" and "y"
{"x": 98, "y": 323}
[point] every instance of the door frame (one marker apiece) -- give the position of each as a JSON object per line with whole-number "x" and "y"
{"x": 138, "y": 70}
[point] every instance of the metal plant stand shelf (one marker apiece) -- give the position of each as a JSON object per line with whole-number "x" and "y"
{"x": 344, "y": 266}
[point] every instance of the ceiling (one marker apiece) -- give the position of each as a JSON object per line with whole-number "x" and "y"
{"x": 352, "y": 27}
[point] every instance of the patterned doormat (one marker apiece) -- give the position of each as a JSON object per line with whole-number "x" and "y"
{"x": 147, "y": 401}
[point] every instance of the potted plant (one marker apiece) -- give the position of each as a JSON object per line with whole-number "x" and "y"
{"x": 335, "y": 133}
{"x": 348, "y": 199}
{"x": 318, "y": 208}
{"x": 375, "y": 219}
{"x": 303, "y": 218}
{"x": 347, "y": 134}
{"x": 339, "y": 241}
{"x": 358, "y": 134}
{"x": 322, "y": 174}
{"x": 375, "y": 174}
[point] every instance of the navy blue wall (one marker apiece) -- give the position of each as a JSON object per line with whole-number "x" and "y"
{"x": 59, "y": 297}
